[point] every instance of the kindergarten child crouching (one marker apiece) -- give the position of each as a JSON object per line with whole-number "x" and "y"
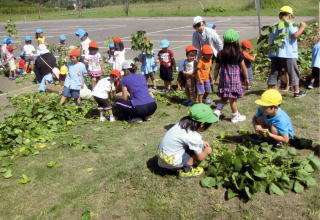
{"x": 182, "y": 145}
{"x": 101, "y": 94}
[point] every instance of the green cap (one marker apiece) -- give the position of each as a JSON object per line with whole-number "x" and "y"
{"x": 202, "y": 113}
{"x": 230, "y": 36}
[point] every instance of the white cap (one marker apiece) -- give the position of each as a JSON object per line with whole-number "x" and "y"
{"x": 197, "y": 20}
{"x": 42, "y": 49}
{"x": 127, "y": 64}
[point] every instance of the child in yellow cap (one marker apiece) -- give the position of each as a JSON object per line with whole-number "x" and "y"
{"x": 182, "y": 145}
{"x": 270, "y": 120}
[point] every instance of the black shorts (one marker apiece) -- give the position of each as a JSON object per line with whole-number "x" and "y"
{"x": 166, "y": 73}
{"x": 315, "y": 72}
{"x": 103, "y": 104}
{"x": 289, "y": 64}
{"x": 149, "y": 75}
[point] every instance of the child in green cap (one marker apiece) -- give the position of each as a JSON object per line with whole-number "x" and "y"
{"x": 182, "y": 145}
{"x": 230, "y": 65}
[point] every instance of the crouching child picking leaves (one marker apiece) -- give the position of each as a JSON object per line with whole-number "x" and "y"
{"x": 182, "y": 145}
{"x": 270, "y": 120}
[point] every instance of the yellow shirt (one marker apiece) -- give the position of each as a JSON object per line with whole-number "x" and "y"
{"x": 64, "y": 70}
{"x": 41, "y": 40}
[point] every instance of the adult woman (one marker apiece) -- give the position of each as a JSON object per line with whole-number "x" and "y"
{"x": 205, "y": 35}
{"x": 136, "y": 103}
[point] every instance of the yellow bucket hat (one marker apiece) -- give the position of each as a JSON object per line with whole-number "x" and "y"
{"x": 287, "y": 9}
{"x": 271, "y": 97}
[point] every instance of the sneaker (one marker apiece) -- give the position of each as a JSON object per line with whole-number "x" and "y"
{"x": 154, "y": 88}
{"x": 299, "y": 94}
{"x": 135, "y": 120}
{"x": 186, "y": 102}
{"x": 217, "y": 113}
{"x": 112, "y": 119}
{"x": 310, "y": 85}
{"x": 148, "y": 118}
{"x": 207, "y": 101}
{"x": 102, "y": 119}
{"x": 278, "y": 144}
{"x": 238, "y": 118}
{"x": 194, "y": 172}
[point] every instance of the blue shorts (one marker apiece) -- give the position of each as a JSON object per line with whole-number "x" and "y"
{"x": 203, "y": 88}
{"x": 71, "y": 93}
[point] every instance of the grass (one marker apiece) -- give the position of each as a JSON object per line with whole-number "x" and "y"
{"x": 124, "y": 182}
{"x": 174, "y": 8}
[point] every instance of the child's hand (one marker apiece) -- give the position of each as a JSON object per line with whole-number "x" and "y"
{"x": 303, "y": 24}
{"x": 246, "y": 83}
{"x": 207, "y": 147}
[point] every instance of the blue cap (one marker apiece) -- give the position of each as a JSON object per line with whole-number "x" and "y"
{"x": 62, "y": 37}
{"x": 80, "y": 32}
{"x": 22, "y": 54}
{"x": 213, "y": 26}
{"x": 4, "y": 40}
{"x": 111, "y": 45}
{"x": 27, "y": 38}
{"x": 38, "y": 31}
{"x": 164, "y": 43}
{"x": 9, "y": 41}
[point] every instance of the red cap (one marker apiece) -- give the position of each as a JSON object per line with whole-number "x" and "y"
{"x": 116, "y": 40}
{"x": 10, "y": 49}
{"x": 116, "y": 73}
{"x": 93, "y": 44}
{"x": 207, "y": 49}
{"x": 247, "y": 44}
{"x": 191, "y": 48}
{"x": 75, "y": 52}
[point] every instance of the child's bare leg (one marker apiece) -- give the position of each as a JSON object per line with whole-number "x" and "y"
{"x": 94, "y": 82}
{"x": 200, "y": 98}
{"x": 287, "y": 80}
{"x": 63, "y": 99}
{"x": 78, "y": 101}
{"x": 101, "y": 112}
{"x": 179, "y": 83}
{"x": 169, "y": 85}
{"x": 233, "y": 105}
{"x": 110, "y": 112}
{"x": 154, "y": 85}
{"x": 205, "y": 95}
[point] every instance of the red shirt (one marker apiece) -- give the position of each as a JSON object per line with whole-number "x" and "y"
{"x": 22, "y": 63}
{"x": 165, "y": 57}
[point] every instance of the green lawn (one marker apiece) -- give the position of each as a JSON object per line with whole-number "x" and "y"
{"x": 176, "y": 8}
{"x": 125, "y": 182}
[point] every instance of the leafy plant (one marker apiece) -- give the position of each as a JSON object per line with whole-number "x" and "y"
{"x": 170, "y": 98}
{"x": 249, "y": 169}
{"x": 11, "y": 29}
{"x": 139, "y": 42}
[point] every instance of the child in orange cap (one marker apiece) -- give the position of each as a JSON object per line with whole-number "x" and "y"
{"x": 248, "y": 58}
{"x": 102, "y": 92}
{"x": 75, "y": 79}
{"x": 203, "y": 76}
{"x": 94, "y": 62}
{"x": 119, "y": 53}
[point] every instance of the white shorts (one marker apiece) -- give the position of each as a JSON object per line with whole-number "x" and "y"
{"x": 12, "y": 65}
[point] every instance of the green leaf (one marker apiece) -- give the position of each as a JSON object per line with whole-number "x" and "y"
{"x": 247, "y": 191}
{"x": 4, "y": 153}
{"x": 273, "y": 188}
{"x": 260, "y": 186}
{"x": 238, "y": 164}
{"x": 308, "y": 168}
{"x": 52, "y": 163}
{"x": 292, "y": 151}
{"x": 298, "y": 188}
{"x": 310, "y": 181}
{"x": 25, "y": 179}
{"x": 7, "y": 174}
{"x": 247, "y": 174}
{"x": 222, "y": 134}
{"x": 86, "y": 215}
{"x": 3, "y": 170}
{"x": 208, "y": 182}
{"x": 314, "y": 161}
{"x": 231, "y": 194}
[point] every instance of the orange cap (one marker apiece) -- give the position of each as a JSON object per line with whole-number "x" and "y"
{"x": 93, "y": 44}
{"x": 75, "y": 52}
{"x": 207, "y": 49}
{"x": 116, "y": 73}
{"x": 116, "y": 40}
{"x": 247, "y": 44}
{"x": 191, "y": 48}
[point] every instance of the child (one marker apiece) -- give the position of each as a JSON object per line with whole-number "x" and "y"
{"x": 203, "y": 75}
{"x": 119, "y": 53}
{"x": 10, "y": 60}
{"x": 40, "y": 37}
{"x": 148, "y": 67}
{"x": 93, "y": 60}
{"x": 212, "y": 26}
{"x": 85, "y": 41}
{"x": 110, "y": 53}
{"x": 248, "y": 58}
{"x": 29, "y": 51}
{"x": 75, "y": 79}
{"x": 230, "y": 65}
{"x": 270, "y": 120}
{"x": 167, "y": 64}
{"x": 182, "y": 145}
{"x": 189, "y": 69}
{"x": 181, "y": 79}
{"x": 101, "y": 94}
{"x": 287, "y": 54}
{"x": 62, "y": 40}
{"x": 284, "y": 80}
{"x": 22, "y": 64}
{"x": 315, "y": 65}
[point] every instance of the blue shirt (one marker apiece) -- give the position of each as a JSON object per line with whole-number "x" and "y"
{"x": 148, "y": 64}
{"x": 289, "y": 47}
{"x": 76, "y": 73}
{"x": 138, "y": 89}
{"x": 316, "y": 55}
{"x": 281, "y": 121}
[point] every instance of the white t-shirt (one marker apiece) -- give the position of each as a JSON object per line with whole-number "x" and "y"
{"x": 93, "y": 62}
{"x": 85, "y": 46}
{"x": 3, "y": 50}
{"x": 29, "y": 49}
{"x": 103, "y": 87}
{"x": 172, "y": 149}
